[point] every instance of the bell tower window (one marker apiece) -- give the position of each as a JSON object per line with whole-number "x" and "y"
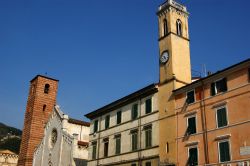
{"x": 46, "y": 88}
{"x": 165, "y": 27}
{"x": 179, "y": 27}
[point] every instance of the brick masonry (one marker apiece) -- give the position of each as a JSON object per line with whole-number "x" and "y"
{"x": 38, "y": 109}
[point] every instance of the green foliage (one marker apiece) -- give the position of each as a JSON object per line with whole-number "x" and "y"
{"x": 12, "y": 144}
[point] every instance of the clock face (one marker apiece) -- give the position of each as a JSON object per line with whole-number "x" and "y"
{"x": 164, "y": 57}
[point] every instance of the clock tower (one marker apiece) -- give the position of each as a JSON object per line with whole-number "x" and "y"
{"x": 174, "y": 70}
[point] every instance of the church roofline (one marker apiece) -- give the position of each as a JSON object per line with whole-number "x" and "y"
{"x": 146, "y": 91}
{"x": 78, "y": 122}
{"x": 43, "y": 77}
{"x": 199, "y": 82}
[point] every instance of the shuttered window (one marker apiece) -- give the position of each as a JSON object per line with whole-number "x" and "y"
{"x": 222, "y": 117}
{"x": 94, "y": 150}
{"x": 148, "y": 163}
{"x": 148, "y": 106}
{"x": 106, "y": 148}
{"x": 95, "y": 126}
{"x": 191, "y": 129}
{"x": 148, "y": 137}
{"x": 134, "y": 113}
{"x": 119, "y": 117}
{"x": 193, "y": 156}
{"x": 134, "y": 140}
{"x": 190, "y": 97}
{"x": 107, "y": 119}
{"x": 224, "y": 151}
{"x": 118, "y": 144}
{"x": 219, "y": 86}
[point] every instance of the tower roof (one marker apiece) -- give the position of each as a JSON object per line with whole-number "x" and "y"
{"x": 43, "y": 77}
{"x": 174, "y": 4}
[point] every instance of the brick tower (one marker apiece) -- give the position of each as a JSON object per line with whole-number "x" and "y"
{"x": 41, "y": 101}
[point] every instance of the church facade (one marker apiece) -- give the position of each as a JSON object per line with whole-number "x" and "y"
{"x": 65, "y": 142}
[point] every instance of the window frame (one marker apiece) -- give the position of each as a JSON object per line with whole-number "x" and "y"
{"x": 94, "y": 144}
{"x": 117, "y": 118}
{"x": 189, "y": 117}
{"x": 218, "y": 108}
{"x": 179, "y": 27}
{"x": 106, "y": 148}
{"x": 193, "y": 90}
{"x": 148, "y": 143}
{"x": 136, "y": 147}
{"x": 118, "y": 138}
{"x": 96, "y": 126}
{"x": 132, "y": 111}
{"x": 151, "y": 108}
{"x": 192, "y": 147}
{"x": 230, "y": 154}
{"x": 107, "y": 122}
{"x": 216, "y": 89}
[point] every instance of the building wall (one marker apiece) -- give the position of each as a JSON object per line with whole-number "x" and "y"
{"x": 126, "y": 157}
{"x": 8, "y": 159}
{"x": 66, "y": 149}
{"x": 36, "y": 117}
{"x": 235, "y": 100}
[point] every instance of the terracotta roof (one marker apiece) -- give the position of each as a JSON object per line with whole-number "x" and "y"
{"x": 79, "y": 122}
{"x": 211, "y": 76}
{"x": 7, "y": 152}
{"x": 82, "y": 143}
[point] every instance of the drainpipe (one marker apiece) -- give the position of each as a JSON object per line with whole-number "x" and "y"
{"x": 98, "y": 141}
{"x": 140, "y": 134}
{"x": 204, "y": 123}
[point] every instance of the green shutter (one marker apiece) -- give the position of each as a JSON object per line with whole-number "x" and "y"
{"x": 134, "y": 141}
{"x": 192, "y": 125}
{"x": 134, "y": 111}
{"x": 119, "y": 117}
{"x": 222, "y": 117}
{"x": 94, "y": 152}
{"x": 95, "y": 126}
{"x": 107, "y": 121}
{"x": 193, "y": 156}
{"x": 118, "y": 145}
{"x": 148, "y": 138}
{"x": 148, "y": 106}
{"x": 224, "y": 151}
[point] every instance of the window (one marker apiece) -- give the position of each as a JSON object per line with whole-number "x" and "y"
{"x": 190, "y": 97}
{"x": 107, "y": 119}
{"x": 148, "y": 106}
{"x": 219, "y": 86}
{"x": 95, "y": 126}
{"x": 133, "y": 164}
{"x": 44, "y": 107}
{"x": 46, "y": 88}
{"x": 134, "y": 140}
{"x": 106, "y": 147}
{"x": 179, "y": 27}
{"x": 165, "y": 27}
{"x": 94, "y": 150}
{"x": 148, "y": 163}
{"x": 224, "y": 151}
{"x": 118, "y": 117}
{"x": 221, "y": 117}
{"x": 191, "y": 128}
{"x": 192, "y": 156}
{"x": 117, "y": 144}
{"x": 148, "y": 136}
{"x": 134, "y": 113}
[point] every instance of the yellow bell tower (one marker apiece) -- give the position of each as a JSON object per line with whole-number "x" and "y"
{"x": 174, "y": 70}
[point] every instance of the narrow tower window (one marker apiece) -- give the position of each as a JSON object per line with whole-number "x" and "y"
{"x": 179, "y": 27}
{"x": 165, "y": 27}
{"x": 46, "y": 88}
{"x": 44, "y": 107}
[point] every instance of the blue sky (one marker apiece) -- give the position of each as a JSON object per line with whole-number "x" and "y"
{"x": 103, "y": 50}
